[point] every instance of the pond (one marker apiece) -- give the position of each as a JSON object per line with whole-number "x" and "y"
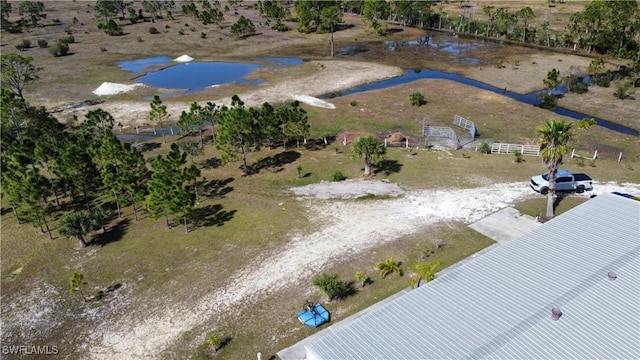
{"x": 191, "y": 77}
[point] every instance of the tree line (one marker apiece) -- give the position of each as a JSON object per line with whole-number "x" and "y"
{"x": 44, "y": 162}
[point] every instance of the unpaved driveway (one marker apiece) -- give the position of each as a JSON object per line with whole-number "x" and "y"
{"x": 345, "y": 227}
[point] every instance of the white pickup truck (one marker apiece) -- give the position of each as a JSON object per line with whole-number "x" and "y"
{"x": 565, "y": 181}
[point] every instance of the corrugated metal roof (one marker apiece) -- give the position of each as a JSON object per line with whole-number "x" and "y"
{"x": 498, "y": 306}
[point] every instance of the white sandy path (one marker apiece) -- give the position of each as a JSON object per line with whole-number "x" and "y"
{"x": 348, "y": 228}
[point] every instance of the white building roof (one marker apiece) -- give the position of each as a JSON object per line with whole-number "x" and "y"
{"x": 499, "y": 305}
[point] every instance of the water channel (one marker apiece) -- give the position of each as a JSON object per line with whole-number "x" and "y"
{"x": 196, "y": 76}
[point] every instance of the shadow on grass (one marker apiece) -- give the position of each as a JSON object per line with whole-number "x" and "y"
{"x": 275, "y": 163}
{"x": 560, "y": 195}
{"x": 115, "y": 233}
{"x": 212, "y": 163}
{"x": 217, "y": 188}
{"x": 387, "y": 167}
{"x": 319, "y": 144}
{"x": 144, "y": 147}
{"x": 210, "y": 215}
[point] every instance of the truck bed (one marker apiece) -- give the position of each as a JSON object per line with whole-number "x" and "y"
{"x": 582, "y": 177}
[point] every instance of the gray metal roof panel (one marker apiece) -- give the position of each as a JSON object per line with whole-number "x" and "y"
{"x": 499, "y": 305}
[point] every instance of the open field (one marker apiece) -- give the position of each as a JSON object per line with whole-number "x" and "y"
{"x": 246, "y": 267}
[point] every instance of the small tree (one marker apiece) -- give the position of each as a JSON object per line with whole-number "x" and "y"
{"x": 424, "y": 271}
{"x": 77, "y": 283}
{"x": 389, "y": 266}
{"x": 76, "y": 225}
{"x": 370, "y": 148}
{"x": 330, "y": 285}
{"x": 417, "y": 99}
{"x": 362, "y": 278}
{"x": 100, "y": 217}
{"x": 214, "y": 340}
{"x": 242, "y": 28}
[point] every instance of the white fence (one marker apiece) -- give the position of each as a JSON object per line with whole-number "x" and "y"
{"x": 447, "y": 132}
{"x": 503, "y": 148}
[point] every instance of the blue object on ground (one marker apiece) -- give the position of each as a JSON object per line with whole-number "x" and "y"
{"x": 315, "y": 317}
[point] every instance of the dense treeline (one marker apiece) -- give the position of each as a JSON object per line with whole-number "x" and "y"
{"x": 608, "y": 27}
{"x": 51, "y": 170}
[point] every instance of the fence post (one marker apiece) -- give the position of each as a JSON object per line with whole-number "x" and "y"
{"x": 407, "y": 143}
{"x": 325, "y": 140}
{"x": 573, "y": 153}
{"x": 620, "y": 156}
{"x": 595, "y": 154}
{"x": 385, "y": 142}
{"x": 344, "y": 142}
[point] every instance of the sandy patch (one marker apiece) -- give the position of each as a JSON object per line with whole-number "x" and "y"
{"x": 183, "y": 59}
{"x": 345, "y": 228}
{"x": 314, "y": 101}
{"x": 109, "y": 88}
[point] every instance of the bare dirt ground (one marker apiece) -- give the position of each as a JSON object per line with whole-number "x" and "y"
{"x": 344, "y": 227}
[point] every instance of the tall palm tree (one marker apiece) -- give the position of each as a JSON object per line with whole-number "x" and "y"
{"x": 76, "y": 225}
{"x": 389, "y": 266}
{"x": 555, "y": 136}
{"x": 370, "y": 148}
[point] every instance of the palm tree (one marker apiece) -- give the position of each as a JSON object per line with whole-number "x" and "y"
{"x": 76, "y": 283}
{"x": 362, "y": 278}
{"x": 389, "y": 266}
{"x": 424, "y": 271}
{"x": 370, "y": 148}
{"x": 555, "y": 136}
{"x": 76, "y": 225}
{"x": 101, "y": 217}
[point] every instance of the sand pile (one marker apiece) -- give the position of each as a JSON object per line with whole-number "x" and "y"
{"x": 183, "y": 59}
{"x": 109, "y": 88}
{"x": 313, "y": 101}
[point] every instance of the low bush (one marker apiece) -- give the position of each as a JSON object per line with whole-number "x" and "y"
{"x": 42, "y": 43}
{"x": 417, "y": 99}
{"x": 338, "y": 176}
{"x": 484, "y": 148}
{"x": 153, "y": 30}
{"x": 330, "y": 285}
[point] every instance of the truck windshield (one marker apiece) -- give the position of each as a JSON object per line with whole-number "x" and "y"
{"x": 545, "y": 176}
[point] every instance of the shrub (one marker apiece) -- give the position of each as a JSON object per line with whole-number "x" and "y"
{"x": 280, "y": 27}
{"x": 417, "y": 99}
{"x": 203, "y": 35}
{"x": 299, "y": 171}
{"x": 60, "y": 48}
{"x": 42, "y": 43}
{"x": 139, "y": 39}
{"x": 181, "y": 32}
{"x": 624, "y": 90}
{"x": 500, "y": 64}
{"x": 466, "y": 155}
{"x": 592, "y": 162}
{"x": 547, "y": 101}
{"x": 353, "y": 103}
{"x": 330, "y": 285}
{"x": 485, "y": 148}
{"x": 67, "y": 39}
{"x": 24, "y": 44}
{"x": 153, "y": 30}
{"x": 518, "y": 156}
{"x": 580, "y": 162}
{"x": 338, "y": 176}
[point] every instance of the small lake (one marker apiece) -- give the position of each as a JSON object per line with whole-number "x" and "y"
{"x": 191, "y": 77}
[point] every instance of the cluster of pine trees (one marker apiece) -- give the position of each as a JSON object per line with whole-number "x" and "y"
{"x": 48, "y": 167}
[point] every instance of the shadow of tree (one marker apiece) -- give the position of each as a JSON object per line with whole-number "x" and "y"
{"x": 115, "y": 233}
{"x": 210, "y": 215}
{"x": 350, "y": 290}
{"x": 217, "y": 188}
{"x": 211, "y": 163}
{"x": 319, "y": 144}
{"x": 275, "y": 162}
{"x": 144, "y": 147}
{"x": 387, "y": 166}
{"x": 560, "y": 195}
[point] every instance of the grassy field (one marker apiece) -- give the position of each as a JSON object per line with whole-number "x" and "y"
{"x": 241, "y": 218}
